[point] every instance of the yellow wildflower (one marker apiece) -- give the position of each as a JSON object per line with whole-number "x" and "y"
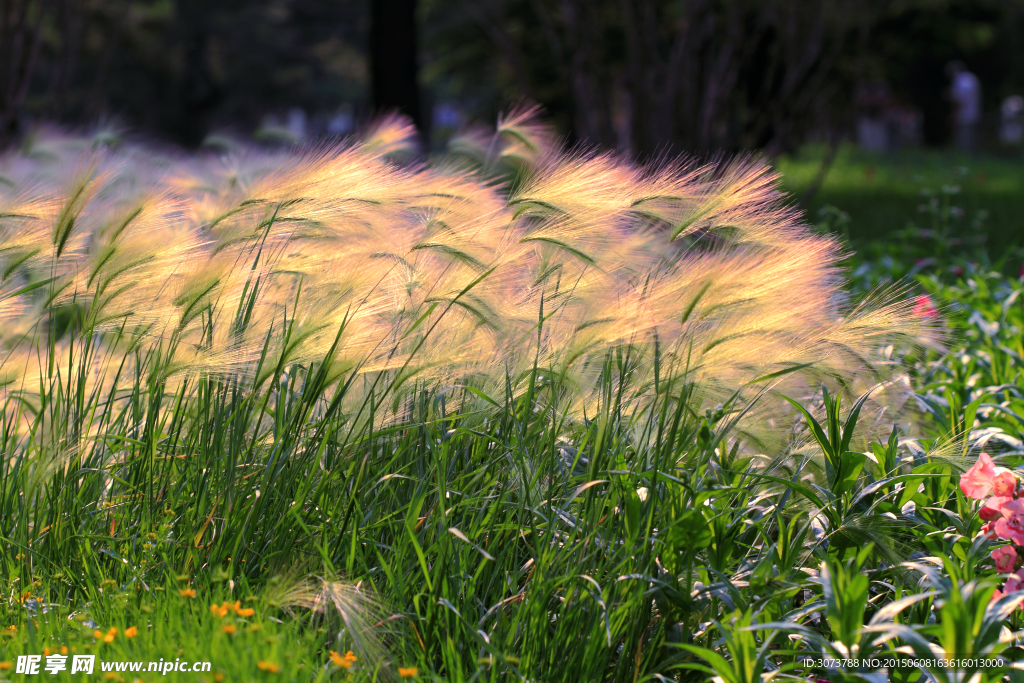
{"x": 408, "y": 671}
{"x": 229, "y": 628}
{"x": 269, "y": 667}
{"x": 344, "y": 661}
{"x": 187, "y": 592}
{"x": 131, "y": 632}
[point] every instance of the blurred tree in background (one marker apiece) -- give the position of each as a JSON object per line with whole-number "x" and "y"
{"x": 639, "y": 75}
{"x": 178, "y": 68}
{"x": 722, "y": 74}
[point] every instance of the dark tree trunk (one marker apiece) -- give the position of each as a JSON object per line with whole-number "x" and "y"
{"x": 20, "y": 39}
{"x": 198, "y": 95}
{"x": 393, "y": 57}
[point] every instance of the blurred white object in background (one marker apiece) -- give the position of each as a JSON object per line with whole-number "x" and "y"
{"x": 297, "y": 122}
{"x": 965, "y": 92}
{"x": 1011, "y": 120}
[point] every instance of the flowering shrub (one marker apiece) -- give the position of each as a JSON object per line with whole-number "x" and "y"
{"x": 1003, "y": 513}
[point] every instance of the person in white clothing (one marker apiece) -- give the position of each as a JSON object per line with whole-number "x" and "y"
{"x": 965, "y": 91}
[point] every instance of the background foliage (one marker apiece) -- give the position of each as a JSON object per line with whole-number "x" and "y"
{"x": 639, "y": 76}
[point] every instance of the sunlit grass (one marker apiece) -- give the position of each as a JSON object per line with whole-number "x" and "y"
{"x": 511, "y": 414}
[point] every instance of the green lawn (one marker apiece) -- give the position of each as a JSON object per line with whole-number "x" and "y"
{"x": 882, "y": 193}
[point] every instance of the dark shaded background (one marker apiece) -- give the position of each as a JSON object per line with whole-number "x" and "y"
{"x": 646, "y": 76}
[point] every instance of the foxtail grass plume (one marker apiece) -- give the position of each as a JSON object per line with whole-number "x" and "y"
{"x": 510, "y": 255}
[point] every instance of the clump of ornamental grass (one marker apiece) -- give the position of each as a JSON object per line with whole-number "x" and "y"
{"x": 399, "y": 276}
{"x": 519, "y": 404}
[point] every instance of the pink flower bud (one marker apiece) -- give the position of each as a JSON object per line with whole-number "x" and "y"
{"x": 989, "y": 514}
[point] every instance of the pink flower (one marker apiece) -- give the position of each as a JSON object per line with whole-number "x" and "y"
{"x": 1013, "y": 584}
{"x": 1011, "y": 526}
{"x": 1006, "y": 559}
{"x": 1003, "y": 483}
{"x": 977, "y": 481}
{"x": 991, "y": 510}
{"x": 924, "y": 308}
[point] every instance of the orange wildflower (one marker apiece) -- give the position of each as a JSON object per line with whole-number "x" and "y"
{"x": 344, "y": 661}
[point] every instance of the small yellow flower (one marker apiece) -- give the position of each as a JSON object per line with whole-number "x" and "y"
{"x": 63, "y": 649}
{"x": 187, "y": 592}
{"x": 269, "y": 667}
{"x": 344, "y": 661}
{"x": 245, "y": 612}
{"x": 218, "y": 677}
{"x": 12, "y": 628}
{"x": 229, "y": 628}
{"x": 97, "y": 635}
{"x": 408, "y": 671}
{"x": 4, "y": 666}
{"x": 131, "y": 632}
{"x": 109, "y": 637}
{"x": 47, "y": 652}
